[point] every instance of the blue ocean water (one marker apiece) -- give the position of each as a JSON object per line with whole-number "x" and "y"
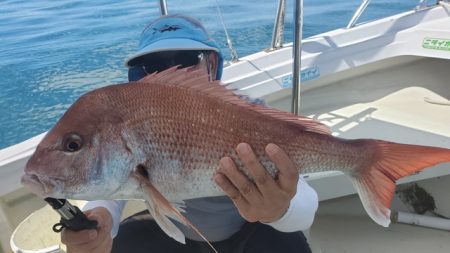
{"x": 51, "y": 52}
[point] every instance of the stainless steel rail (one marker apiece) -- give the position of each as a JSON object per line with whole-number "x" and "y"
{"x": 278, "y": 26}
{"x": 358, "y": 13}
{"x": 297, "y": 49}
{"x": 163, "y": 7}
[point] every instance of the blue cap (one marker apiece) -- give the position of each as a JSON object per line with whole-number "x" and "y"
{"x": 175, "y": 33}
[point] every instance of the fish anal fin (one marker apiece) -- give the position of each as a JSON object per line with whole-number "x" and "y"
{"x": 160, "y": 208}
{"x": 374, "y": 200}
{"x": 375, "y": 183}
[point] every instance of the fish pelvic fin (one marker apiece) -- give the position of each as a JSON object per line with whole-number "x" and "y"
{"x": 161, "y": 209}
{"x": 375, "y": 184}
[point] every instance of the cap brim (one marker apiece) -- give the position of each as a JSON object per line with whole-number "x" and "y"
{"x": 170, "y": 45}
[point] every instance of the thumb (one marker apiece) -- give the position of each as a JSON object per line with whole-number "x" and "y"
{"x": 102, "y": 216}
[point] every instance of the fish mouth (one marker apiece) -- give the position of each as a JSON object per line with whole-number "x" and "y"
{"x": 38, "y": 185}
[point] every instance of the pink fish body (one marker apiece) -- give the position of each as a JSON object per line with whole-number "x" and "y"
{"x": 161, "y": 139}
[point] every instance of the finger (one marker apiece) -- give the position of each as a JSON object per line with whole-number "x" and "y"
{"x": 231, "y": 191}
{"x": 91, "y": 247}
{"x": 263, "y": 180}
{"x": 104, "y": 240}
{"x": 227, "y": 186}
{"x": 104, "y": 222}
{"x": 102, "y": 216}
{"x": 88, "y": 239}
{"x": 105, "y": 246}
{"x": 246, "y": 188}
{"x": 100, "y": 243}
{"x": 70, "y": 237}
{"x": 287, "y": 171}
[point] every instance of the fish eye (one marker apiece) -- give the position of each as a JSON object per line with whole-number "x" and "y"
{"x": 72, "y": 142}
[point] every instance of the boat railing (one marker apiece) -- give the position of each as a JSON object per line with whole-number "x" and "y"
{"x": 362, "y": 7}
{"x": 278, "y": 35}
{"x": 278, "y": 27}
{"x": 163, "y": 7}
{"x": 297, "y": 56}
{"x": 277, "y": 42}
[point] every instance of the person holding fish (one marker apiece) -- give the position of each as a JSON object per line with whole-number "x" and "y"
{"x": 173, "y": 137}
{"x": 264, "y": 215}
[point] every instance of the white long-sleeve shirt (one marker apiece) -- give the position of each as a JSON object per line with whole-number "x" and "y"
{"x": 218, "y": 218}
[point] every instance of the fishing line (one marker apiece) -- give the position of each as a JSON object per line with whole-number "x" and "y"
{"x": 234, "y": 56}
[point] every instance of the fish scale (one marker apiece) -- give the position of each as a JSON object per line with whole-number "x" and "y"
{"x": 178, "y": 136}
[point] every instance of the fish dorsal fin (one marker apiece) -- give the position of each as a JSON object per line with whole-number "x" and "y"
{"x": 197, "y": 80}
{"x": 161, "y": 209}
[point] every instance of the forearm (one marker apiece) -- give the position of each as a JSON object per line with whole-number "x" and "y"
{"x": 114, "y": 207}
{"x": 301, "y": 211}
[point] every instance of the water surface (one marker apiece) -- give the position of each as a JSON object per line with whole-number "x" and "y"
{"x": 51, "y": 52}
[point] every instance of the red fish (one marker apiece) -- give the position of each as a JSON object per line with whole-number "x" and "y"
{"x": 160, "y": 139}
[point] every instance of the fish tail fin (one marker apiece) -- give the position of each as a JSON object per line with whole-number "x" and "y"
{"x": 375, "y": 183}
{"x": 161, "y": 209}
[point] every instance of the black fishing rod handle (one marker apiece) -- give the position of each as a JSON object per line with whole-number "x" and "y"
{"x": 77, "y": 223}
{"x": 71, "y": 216}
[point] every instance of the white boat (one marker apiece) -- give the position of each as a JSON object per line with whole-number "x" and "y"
{"x": 385, "y": 79}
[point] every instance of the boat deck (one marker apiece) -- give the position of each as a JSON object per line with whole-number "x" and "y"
{"x": 341, "y": 225}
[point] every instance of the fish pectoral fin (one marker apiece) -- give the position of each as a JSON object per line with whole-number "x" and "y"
{"x": 160, "y": 208}
{"x": 180, "y": 206}
{"x": 163, "y": 221}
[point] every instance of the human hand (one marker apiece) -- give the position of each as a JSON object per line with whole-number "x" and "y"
{"x": 266, "y": 199}
{"x": 93, "y": 240}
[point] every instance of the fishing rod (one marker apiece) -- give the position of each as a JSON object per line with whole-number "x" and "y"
{"x": 71, "y": 216}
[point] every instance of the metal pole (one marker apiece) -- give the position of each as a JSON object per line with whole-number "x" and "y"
{"x": 278, "y": 27}
{"x": 297, "y": 49}
{"x": 358, "y": 13}
{"x": 163, "y": 7}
